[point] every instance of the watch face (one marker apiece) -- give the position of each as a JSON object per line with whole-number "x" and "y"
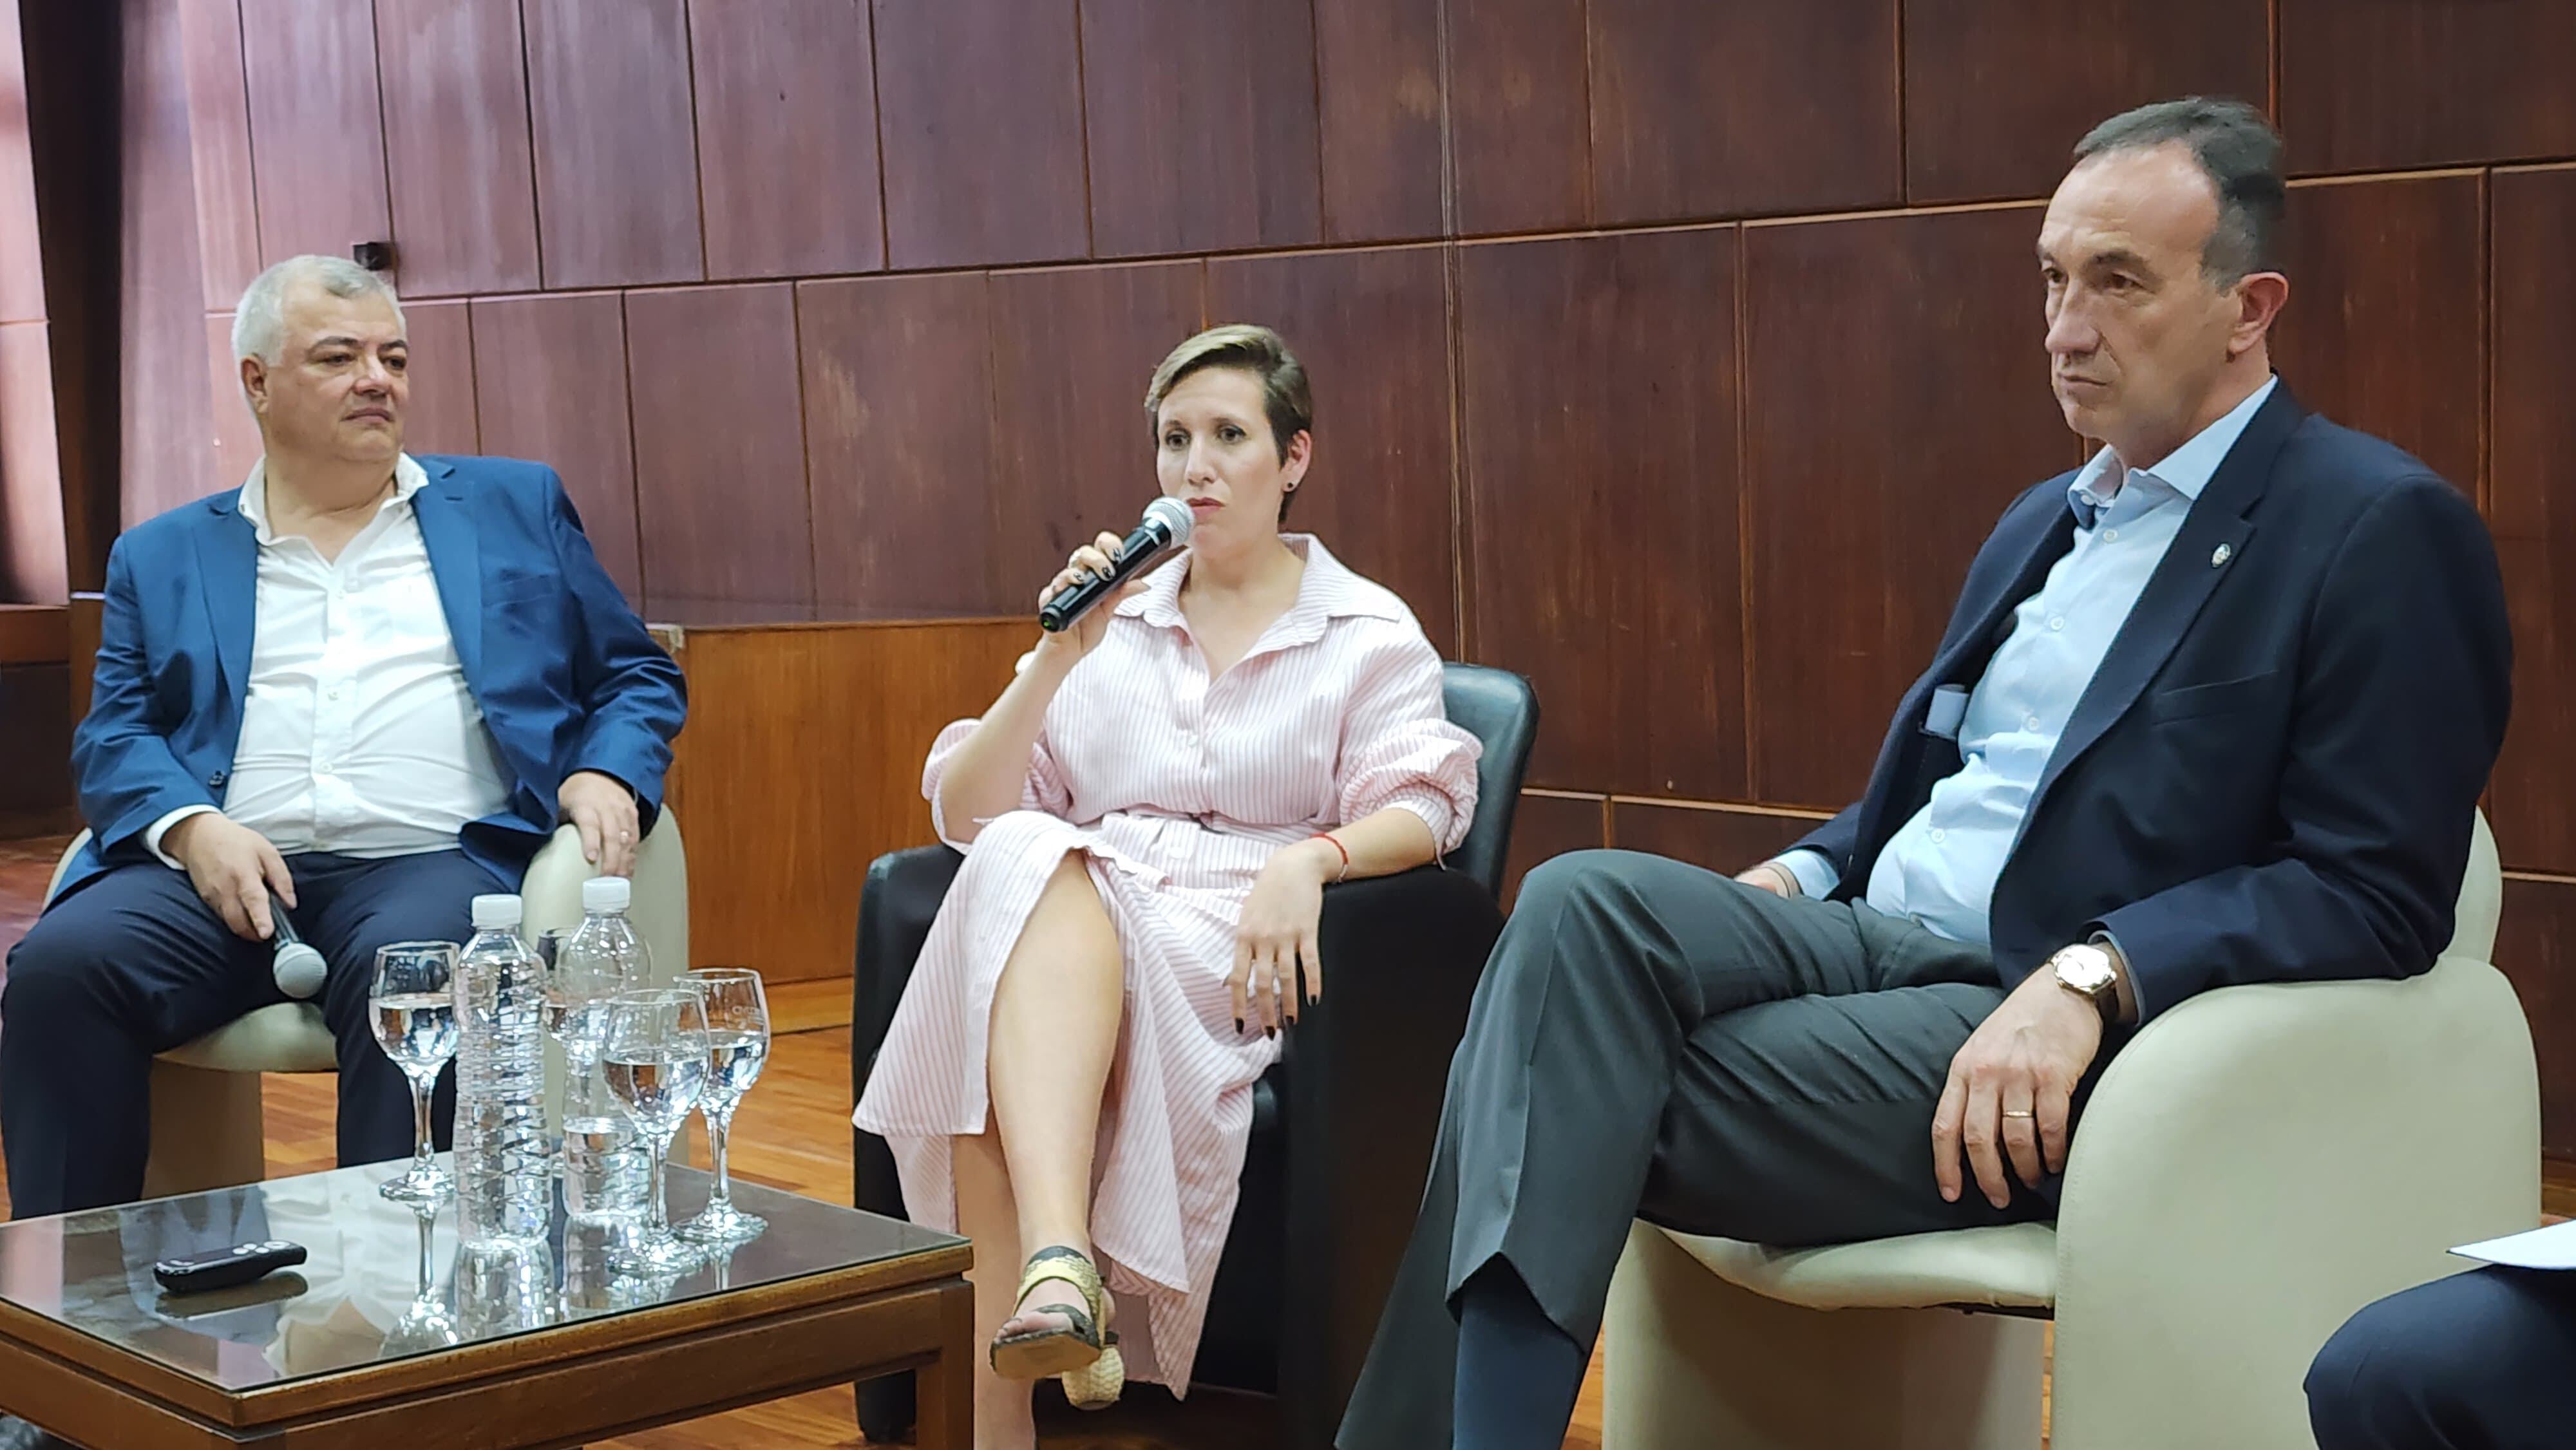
{"x": 2085, "y": 970}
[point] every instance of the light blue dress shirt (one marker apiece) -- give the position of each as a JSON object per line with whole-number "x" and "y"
{"x": 1940, "y": 867}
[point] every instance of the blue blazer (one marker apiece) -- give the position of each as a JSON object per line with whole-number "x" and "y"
{"x": 567, "y": 677}
{"x": 2272, "y": 775}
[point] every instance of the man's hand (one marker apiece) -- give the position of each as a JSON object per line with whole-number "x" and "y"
{"x": 604, "y": 809}
{"x": 1773, "y": 877}
{"x": 233, "y": 868}
{"x": 2012, "y": 1089}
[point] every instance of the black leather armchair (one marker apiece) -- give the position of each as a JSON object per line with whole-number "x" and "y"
{"x": 1341, "y": 1127}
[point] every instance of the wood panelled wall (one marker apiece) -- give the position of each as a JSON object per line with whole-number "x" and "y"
{"x": 31, "y": 505}
{"x": 35, "y": 726}
{"x": 1674, "y": 352}
{"x": 802, "y": 763}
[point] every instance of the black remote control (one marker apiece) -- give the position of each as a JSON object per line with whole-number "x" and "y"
{"x": 224, "y": 1268}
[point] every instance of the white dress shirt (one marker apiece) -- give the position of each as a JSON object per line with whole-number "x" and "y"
{"x": 358, "y": 733}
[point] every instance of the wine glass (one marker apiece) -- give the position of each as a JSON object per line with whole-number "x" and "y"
{"x": 578, "y": 986}
{"x": 414, "y": 1010}
{"x": 656, "y": 1065}
{"x": 737, "y": 1015}
{"x": 425, "y": 1323}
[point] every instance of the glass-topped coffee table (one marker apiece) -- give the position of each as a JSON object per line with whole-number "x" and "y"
{"x": 356, "y": 1348}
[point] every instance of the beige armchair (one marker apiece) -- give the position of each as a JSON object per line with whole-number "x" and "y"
{"x": 207, "y": 1124}
{"x": 2259, "y": 1163}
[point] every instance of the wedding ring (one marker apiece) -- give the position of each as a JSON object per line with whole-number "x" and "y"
{"x": 2019, "y": 1113}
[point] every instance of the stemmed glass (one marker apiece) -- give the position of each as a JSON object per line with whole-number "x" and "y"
{"x": 737, "y": 1015}
{"x": 656, "y": 1065}
{"x": 577, "y": 992}
{"x": 549, "y": 947}
{"x": 425, "y": 1324}
{"x": 414, "y": 1010}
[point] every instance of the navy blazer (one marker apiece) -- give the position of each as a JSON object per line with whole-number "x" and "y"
{"x": 566, "y": 675}
{"x": 2272, "y": 776}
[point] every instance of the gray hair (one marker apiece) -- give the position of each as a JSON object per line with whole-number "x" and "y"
{"x": 2237, "y": 150}
{"x": 259, "y": 321}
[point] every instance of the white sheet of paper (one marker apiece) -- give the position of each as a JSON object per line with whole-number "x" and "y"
{"x": 2553, "y": 1247}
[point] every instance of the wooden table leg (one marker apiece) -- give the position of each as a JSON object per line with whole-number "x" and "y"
{"x": 944, "y": 1417}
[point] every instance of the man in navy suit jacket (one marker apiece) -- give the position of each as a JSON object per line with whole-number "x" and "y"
{"x": 370, "y": 684}
{"x": 2215, "y": 708}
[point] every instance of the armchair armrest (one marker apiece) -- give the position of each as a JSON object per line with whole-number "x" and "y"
{"x": 2260, "y": 1162}
{"x": 896, "y": 907}
{"x": 1368, "y": 1066}
{"x": 551, "y": 892}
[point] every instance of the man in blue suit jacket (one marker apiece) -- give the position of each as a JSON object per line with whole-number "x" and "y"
{"x": 2215, "y": 708}
{"x": 369, "y": 684}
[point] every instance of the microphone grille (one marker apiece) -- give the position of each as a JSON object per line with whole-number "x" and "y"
{"x": 1176, "y": 518}
{"x": 300, "y": 971}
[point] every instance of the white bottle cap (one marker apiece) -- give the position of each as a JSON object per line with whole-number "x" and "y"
{"x": 497, "y": 913}
{"x": 607, "y": 893}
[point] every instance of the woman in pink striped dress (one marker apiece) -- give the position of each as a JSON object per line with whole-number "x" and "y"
{"x": 1150, "y": 814}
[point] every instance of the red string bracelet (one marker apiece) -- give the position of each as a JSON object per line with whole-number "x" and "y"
{"x": 1339, "y": 847}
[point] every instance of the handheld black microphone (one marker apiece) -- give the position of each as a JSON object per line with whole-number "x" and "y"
{"x": 1166, "y": 527}
{"x": 299, "y": 969}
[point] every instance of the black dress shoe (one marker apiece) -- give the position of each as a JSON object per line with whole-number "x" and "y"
{"x": 17, "y": 1434}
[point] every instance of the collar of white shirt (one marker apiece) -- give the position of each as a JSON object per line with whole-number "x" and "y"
{"x": 409, "y": 479}
{"x": 2187, "y": 470}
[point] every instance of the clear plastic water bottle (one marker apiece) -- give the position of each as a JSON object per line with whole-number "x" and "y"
{"x": 607, "y": 1168}
{"x": 504, "y": 1184}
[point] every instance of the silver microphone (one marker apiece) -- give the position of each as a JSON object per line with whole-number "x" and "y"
{"x": 299, "y": 969}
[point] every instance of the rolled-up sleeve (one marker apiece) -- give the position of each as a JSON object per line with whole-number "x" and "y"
{"x": 1399, "y": 749}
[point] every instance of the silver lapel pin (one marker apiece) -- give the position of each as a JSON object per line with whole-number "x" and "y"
{"x": 2220, "y": 555}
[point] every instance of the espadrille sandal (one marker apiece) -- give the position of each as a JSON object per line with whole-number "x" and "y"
{"x": 1084, "y": 1356}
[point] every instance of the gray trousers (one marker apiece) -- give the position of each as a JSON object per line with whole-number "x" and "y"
{"x": 1656, "y": 1041}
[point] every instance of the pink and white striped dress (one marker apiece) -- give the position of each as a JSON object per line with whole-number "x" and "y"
{"x": 1177, "y": 789}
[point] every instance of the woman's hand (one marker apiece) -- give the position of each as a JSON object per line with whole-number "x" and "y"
{"x": 1094, "y": 558}
{"x": 1277, "y": 936}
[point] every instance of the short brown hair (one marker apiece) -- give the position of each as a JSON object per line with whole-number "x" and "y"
{"x": 1256, "y": 350}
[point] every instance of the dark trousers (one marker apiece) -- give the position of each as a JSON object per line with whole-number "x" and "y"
{"x": 2484, "y": 1360}
{"x": 1655, "y": 1041}
{"x": 133, "y": 964}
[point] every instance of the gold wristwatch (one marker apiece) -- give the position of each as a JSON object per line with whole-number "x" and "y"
{"x": 2085, "y": 969}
